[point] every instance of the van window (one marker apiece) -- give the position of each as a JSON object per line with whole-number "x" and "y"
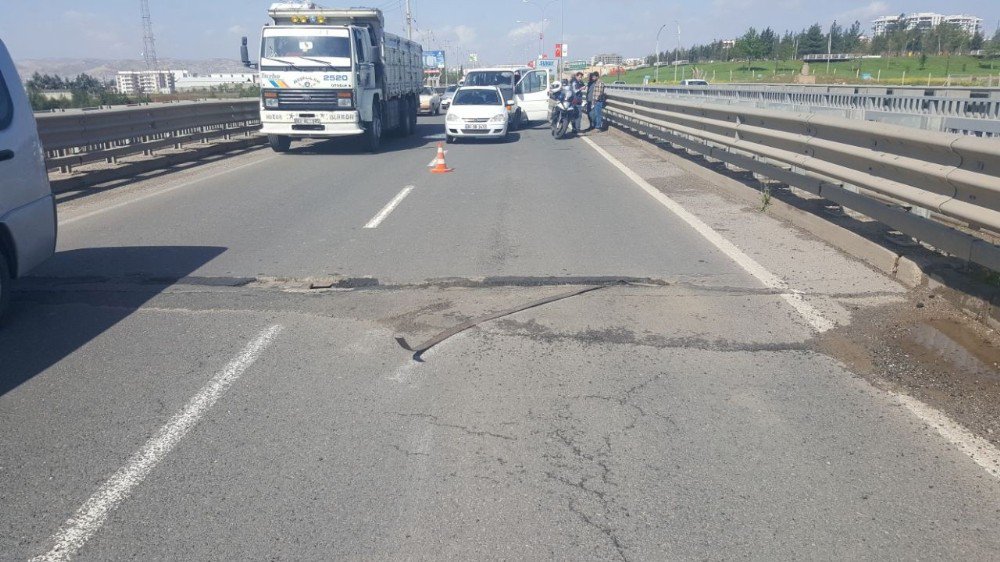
{"x": 6, "y": 105}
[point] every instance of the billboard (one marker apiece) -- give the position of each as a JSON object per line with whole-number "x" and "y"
{"x": 433, "y": 59}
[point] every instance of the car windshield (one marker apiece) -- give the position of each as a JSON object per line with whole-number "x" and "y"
{"x": 307, "y": 46}
{"x": 502, "y": 78}
{"x": 476, "y": 97}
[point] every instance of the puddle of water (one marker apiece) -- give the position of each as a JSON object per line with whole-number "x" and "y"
{"x": 959, "y": 346}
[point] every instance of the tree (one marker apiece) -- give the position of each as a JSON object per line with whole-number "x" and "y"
{"x": 750, "y": 46}
{"x": 813, "y": 42}
{"x": 977, "y": 41}
{"x": 768, "y": 43}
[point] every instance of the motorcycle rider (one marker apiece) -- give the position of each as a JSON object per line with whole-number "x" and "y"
{"x": 574, "y": 97}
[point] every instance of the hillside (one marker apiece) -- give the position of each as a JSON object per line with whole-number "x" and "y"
{"x": 106, "y": 69}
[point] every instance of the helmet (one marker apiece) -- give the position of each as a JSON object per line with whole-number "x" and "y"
{"x": 555, "y": 86}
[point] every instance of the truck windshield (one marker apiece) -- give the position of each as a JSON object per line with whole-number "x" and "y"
{"x": 477, "y": 97}
{"x": 306, "y": 46}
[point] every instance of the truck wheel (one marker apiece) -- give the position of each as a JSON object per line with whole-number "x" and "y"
{"x": 279, "y": 143}
{"x": 373, "y": 132}
{"x": 409, "y": 119}
{"x": 4, "y": 285}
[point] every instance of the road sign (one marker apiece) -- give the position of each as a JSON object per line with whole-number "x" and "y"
{"x": 433, "y": 59}
{"x": 576, "y": 65}
{"x": 547, "y": 63}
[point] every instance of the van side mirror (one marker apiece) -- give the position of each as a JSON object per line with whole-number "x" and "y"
{"x": 245, "y": 55}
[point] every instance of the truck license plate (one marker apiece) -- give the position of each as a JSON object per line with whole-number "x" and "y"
{"x": 306, "y": 121}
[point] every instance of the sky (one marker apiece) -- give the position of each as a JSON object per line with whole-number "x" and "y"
{"x": 498, "y": 31}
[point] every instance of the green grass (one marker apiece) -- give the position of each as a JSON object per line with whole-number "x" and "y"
{"x": 964, "y": 71}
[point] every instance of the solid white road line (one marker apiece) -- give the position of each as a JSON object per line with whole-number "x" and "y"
{"x": 377, "y": 219}
{"x": 978, "y": 449}
{"x": 159, "y": 192}
{"x": 812, "y": 316}
{"x": 93, "y": 513}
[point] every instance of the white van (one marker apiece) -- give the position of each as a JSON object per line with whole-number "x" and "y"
{"x": 27, "y": 208}
{"x": 525, "y": 90}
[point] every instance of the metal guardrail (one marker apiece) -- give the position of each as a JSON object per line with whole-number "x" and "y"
{"x": 966, "y": 111}
{"x": 926, "y": 175}
{"x": 73, "y": 139}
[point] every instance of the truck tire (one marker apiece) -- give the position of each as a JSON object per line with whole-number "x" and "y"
{"x": 409, "y": 118}
{"x": 373, "y": 130}
{"x": 4, "y": 285}
{"x": 279, "y": 143}
{"x": 414, "y": 112}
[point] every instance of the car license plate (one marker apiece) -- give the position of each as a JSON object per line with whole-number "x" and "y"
{"x": 305, "y": 121}
{"x": 476, "y": 126}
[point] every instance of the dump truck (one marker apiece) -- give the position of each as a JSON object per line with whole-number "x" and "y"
{"x": 328, "y": 73}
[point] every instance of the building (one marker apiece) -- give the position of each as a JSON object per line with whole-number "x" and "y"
{"x": 924, "y": 21}
{"x": 607, "y": 59}
{"x": 970, "y": 24}
{"x": 185, "y": 81}
{"x": 728, "y": 43}
{"x": 133, "y": 82}
{"x": 634, "y": 62}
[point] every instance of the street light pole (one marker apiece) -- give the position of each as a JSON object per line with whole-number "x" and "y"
{"x": 541, "y": 32}
{"x": 677, "y": 52}
{"x": 656, "y": 71}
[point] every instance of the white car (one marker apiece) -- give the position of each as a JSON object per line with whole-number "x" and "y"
{"x": 27, "y": 208}
{"x": 430, "y": 102}
{"x": 477, "y": 112}
{"x": 449, "y": 93}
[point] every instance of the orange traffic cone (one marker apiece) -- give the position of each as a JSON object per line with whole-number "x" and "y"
{"x": 440, "y": 167}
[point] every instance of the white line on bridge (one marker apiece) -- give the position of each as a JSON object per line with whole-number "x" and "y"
{"x": 162, "y": 191}
{"x": 377, "y": 219}
{"x": 94, "y": 512}
{"x": 815, "y": 319}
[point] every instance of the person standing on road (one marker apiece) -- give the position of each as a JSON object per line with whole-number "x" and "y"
{"x": 596, "y": 97}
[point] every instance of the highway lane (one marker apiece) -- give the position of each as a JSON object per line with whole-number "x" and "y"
{"x": 686, "y": 420}
{"x": 523, "y": 208}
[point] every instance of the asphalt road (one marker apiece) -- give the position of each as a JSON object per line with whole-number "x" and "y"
{"x": 173, "y": 389}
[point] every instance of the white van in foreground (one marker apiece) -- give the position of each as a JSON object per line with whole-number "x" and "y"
{"x": 27, "y": 208}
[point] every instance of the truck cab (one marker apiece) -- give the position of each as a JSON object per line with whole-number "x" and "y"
{"x": 525, "y": 90}
{"x": 335, "y": 72}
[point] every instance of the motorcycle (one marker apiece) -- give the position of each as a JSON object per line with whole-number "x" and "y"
{"x": 568, "y": 109}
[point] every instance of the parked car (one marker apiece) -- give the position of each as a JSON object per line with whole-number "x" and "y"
{"x": 477, "y": 112}
{"x": 525, "y": 91}
{"x": 618, "y": 83}
{"x": 430, "y": 102}
{"x": 446, "y": 97}
{"x": 27, "y": 208}
{"x": 694, "y": 82}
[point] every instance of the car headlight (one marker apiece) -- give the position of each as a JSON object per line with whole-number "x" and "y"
{"x": 452, "y": 117}
{"x": 498, "y": 118}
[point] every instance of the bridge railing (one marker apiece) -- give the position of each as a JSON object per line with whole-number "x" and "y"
{"x": 942, "y": 189}
{"x": 85, "y": 147}
{"x": 968, "y": 111}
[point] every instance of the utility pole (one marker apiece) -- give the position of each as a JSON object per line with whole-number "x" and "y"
{"x": 829, "y": 47}
{"x": 656, "y": 71}
{"x": 677, "y": 53}
{"x": 148, "y": 41}
{"x": 409, "y": 21}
